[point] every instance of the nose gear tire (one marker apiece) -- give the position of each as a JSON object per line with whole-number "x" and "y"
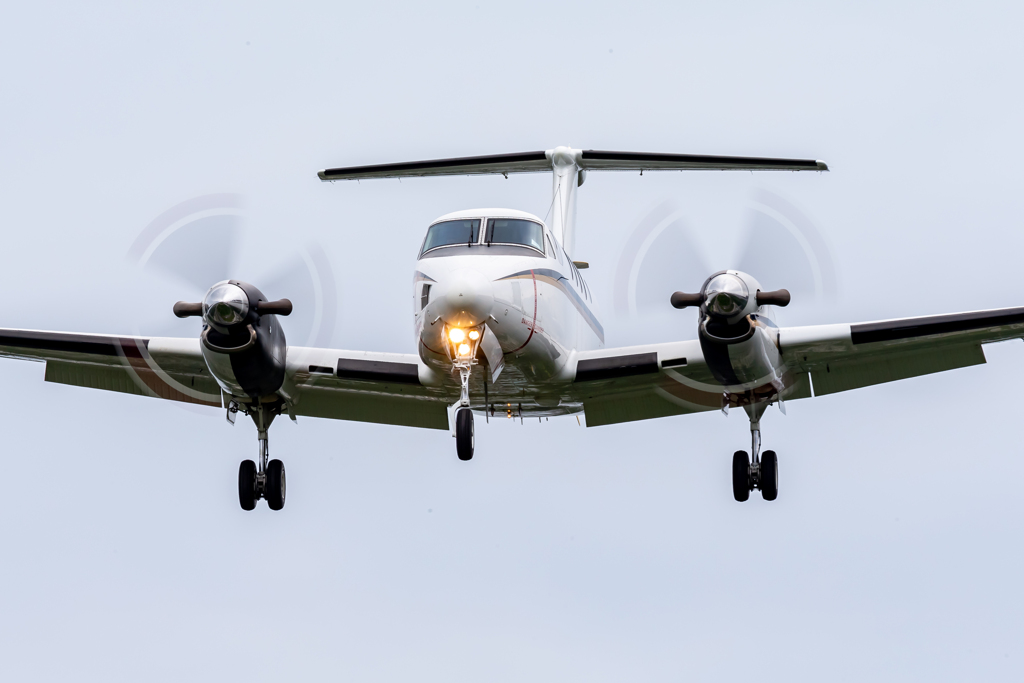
{"x": 465, "y": 440}
{"x": 769, "y": 475}
{"x": 275, "y": 484}
{"x": 740, "y": 476}
{"x": 247, "y": 485}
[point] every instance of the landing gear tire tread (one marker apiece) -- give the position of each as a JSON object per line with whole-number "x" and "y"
{"x": 275, "y": 484}
{"x": 740, "y": 476}
{"x": 247, "y": 485}
{"x": 465, "y": 441}
{"x": 769, "y": 475}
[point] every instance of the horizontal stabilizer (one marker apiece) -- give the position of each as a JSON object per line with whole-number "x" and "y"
{"x": 593, "y": 160}
{"x": 587, "y": 160}
{"x": 522, "y": 162}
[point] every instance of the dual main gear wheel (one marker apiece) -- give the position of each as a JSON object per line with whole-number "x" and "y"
{"x": 763, "y": 475}
{"x": 252, "y": 487}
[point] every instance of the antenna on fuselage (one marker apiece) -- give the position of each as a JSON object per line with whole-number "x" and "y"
{"x": 569, "y": 169}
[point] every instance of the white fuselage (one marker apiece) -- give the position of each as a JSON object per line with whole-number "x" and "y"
{"x": 537, "y": 306}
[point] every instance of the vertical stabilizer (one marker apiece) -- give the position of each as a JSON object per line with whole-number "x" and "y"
{"x": 566, "y": 177}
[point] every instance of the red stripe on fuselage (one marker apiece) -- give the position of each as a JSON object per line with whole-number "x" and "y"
{"x": 534, "y": 325}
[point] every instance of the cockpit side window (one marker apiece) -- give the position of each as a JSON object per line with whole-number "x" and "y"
{"x": 452, "y": 234}
{"x": 515, "y": 231}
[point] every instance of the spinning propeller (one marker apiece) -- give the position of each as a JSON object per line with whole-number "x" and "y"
{"x": 779, "y": 245}
{"x": 200, "y": 242}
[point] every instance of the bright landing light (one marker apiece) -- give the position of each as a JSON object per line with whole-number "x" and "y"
{"x": 463, "y": 349}
{"x": 474, "y": 335}
{"x": 456, "y": 335}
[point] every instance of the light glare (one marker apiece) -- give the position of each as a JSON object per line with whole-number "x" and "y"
{"x": 456, "y": 335}
{"x": 474, "y": 335}
{"x": 463, "y": 349}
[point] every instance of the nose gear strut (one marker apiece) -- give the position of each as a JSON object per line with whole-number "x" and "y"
{"x": 462, "y": 424}
{"x": 465, "y": 439}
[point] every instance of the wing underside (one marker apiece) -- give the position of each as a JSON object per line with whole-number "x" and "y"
{"x": 385, "y": 388}
{"x": 644, "y": 382}
{"x": 167, "y": 368}
{"x": 611, "y": 385}
{"x": 844, "y": 357}
{"x": 345, "y": 385}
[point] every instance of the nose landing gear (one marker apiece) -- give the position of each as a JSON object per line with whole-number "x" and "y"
{"x": 266, "y": 480}
{"x": 760, "y": 472}
{"x": 465, "y": 440}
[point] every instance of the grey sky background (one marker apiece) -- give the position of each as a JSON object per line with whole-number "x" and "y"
{"x": 559, "y": 552}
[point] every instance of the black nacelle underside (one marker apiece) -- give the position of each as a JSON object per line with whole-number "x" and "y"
{"x": 716, "y": 354}
{"x": 260, "y": 369}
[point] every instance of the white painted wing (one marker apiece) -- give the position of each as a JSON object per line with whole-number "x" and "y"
{"x": 843, "y": 357}
{"x": 161, "y": 367}
{"x": 659, "y": 380}
{"x": 366, "y": 386}
{"x": 643, "y": 382}
{"x": 344, "y": 385}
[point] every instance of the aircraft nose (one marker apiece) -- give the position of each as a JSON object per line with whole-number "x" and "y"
{"x": 465, "y": 298}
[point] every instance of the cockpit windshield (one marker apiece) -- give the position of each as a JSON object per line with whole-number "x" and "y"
{"x": 452, "y": 233}
{"x": 515, "y": 231}
{"x": 499, "y": 237}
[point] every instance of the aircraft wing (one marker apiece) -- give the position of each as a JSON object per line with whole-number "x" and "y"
{"x": 386, "y": 388}
{"x": 642, "y": 382}
{"x": 659, "y": 380}
{"x": 843, "y": 357}
{"x": 168, "y": 368}
{"x": 345, "y": 385}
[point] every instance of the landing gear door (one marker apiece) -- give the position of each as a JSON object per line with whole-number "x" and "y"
{"x": 493, "y": 353}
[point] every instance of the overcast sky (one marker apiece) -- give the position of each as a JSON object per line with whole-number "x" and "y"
{"x": 560, "y": 553}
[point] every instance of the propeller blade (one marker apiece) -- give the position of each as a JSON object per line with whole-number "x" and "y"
{"x": 187, "y": 310}
{"x": 682, "y": 299}
{"x": 307, "y": 278}
{"x": 782, "y": 246}
{"x": 779, "y": 297}
{"x": 200, "y": 252}
{"x": 658, "y": 252}
{"x": 279, "y": 307}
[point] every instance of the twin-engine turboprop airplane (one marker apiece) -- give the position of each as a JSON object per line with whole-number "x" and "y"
{"x": 505, "y": 323}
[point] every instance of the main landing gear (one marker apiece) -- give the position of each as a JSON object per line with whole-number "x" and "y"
{"x": 267, "y": 479}
{"x": 760, "y": 473}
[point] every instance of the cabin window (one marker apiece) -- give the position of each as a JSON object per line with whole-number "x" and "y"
{"x": 515, "y": 231}
{"x": 452, "y": 234}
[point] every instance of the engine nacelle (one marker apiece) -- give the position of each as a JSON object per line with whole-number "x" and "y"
{"x": 242, "y": 341}
{"x": 739, "y": 342}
